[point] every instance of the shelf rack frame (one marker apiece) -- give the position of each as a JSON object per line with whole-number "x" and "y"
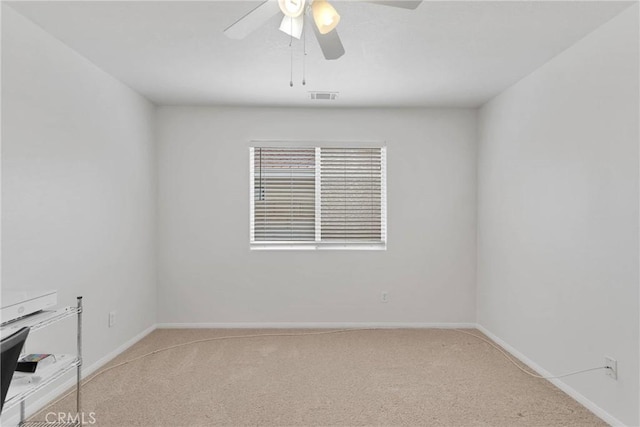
{"x": 36, "y": 322}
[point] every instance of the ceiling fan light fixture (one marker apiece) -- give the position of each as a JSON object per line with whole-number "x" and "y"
{"x": 292, "y": 26}
{"x": 292, "y": 8}
{"x": 325, "y": 16}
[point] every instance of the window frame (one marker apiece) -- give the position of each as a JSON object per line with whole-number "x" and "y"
{"x": 317, "y": 244}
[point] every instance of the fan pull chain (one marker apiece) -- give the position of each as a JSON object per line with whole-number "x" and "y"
{"x": 291, "y": 49}
{"x": 304, "y": 48}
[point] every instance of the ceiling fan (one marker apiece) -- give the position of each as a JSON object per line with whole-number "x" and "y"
{"x": 324, "y": 15}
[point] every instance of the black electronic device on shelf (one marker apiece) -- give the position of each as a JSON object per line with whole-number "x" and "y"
{"x": 10, "y": 348}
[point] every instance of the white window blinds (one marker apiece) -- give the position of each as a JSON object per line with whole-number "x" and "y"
{"x": 318, "y": 197}
{"x": 284, "y": 194}
{"x": 351, "y": 194}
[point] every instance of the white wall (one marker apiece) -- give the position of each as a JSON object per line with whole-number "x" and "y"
{"x": 78, "y": 189}
{"x": 208, "y": 275}
{"x": 558, "y": 215}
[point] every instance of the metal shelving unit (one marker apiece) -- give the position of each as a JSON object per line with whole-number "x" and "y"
{"x": 19, "y": 391}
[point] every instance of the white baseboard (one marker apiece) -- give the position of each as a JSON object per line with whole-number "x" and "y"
{"x": 109, "y": 357}
{"x": 316, "y": 325}
{"x": 35, "y": 406}
{"x": 601, "y": 413}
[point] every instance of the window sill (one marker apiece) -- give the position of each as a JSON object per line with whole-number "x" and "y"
{"x": 318, "y": 247}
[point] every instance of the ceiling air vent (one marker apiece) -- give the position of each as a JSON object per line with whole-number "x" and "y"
{"x": 327, "y": 96}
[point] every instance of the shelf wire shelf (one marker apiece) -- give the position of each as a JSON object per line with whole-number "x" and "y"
{"x": 39, "y": 320}
{"x": 34, "y": 388}
{"x": 48, "y": 424}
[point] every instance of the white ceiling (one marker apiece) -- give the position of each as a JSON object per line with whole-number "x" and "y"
{"x": 449, "y": 53}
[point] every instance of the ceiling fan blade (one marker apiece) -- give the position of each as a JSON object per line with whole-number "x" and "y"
{"x": 329, "y": 43}
{"x": 405, "y": 4}
{"x": 292, "y": 26}
{"x": 252, "y": 20}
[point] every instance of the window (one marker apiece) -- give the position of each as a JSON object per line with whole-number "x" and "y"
{"x": 318, "y": 197}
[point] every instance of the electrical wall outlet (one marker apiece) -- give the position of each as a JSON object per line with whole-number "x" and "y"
{"x": 384, "y": 296}
{"x": 612, "y": 367}
{"x": 112, "y": 318}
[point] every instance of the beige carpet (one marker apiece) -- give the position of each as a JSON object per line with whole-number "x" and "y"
{"x": 398, "y": 377}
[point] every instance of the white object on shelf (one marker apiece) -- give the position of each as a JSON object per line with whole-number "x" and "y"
{"x": 17, "y": 304}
